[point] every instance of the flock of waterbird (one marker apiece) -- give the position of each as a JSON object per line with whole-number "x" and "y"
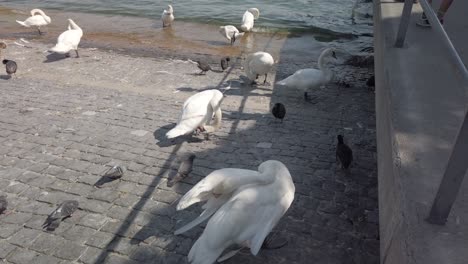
{"x": 242, "y": 206}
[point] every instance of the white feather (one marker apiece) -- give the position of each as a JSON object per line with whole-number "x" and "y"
{"x": 197, "y": 112}
{"x": 229, "y": 31}
{"x": 68, "y": 40}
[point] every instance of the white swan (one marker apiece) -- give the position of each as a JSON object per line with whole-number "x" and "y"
{"x": 36, "y": 20}
{"x": 197, "y": 113}
{"x": 258, "y": 63}
{"x": 69, "y": 39}
{"x": 307, "y": 79}
{"x": 250, "y": 205}
{"x": 248, "y": 19}
{"x": 230, "y": 32}
{"x": 167, "y": 16}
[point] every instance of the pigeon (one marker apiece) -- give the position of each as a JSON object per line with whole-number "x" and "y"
{"x": 343, "y": 153}
{"x": 184, "y": 170}
{"x": 113, "y": 173}
{"x": 225, "y": 63}
{"x": 10, "y": 66}
{"x": 279, "y": 111}
{"x": 203, "y": 66}
{"x": 3, "y": 203}
{"x": 64, "y": 210}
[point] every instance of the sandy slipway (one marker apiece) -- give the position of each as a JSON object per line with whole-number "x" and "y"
{"x": 63, "y": 122}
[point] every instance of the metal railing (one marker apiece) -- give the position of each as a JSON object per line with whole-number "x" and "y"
{"x": 457, "y": 165}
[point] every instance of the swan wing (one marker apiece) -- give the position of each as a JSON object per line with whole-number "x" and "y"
{"x": 36, "y": 20}
{"x": 217, "y": 183}
{"x": 305, "y": 78}
{"x": 247, "y": 21}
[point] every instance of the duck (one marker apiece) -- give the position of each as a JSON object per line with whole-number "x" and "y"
{"x": 307, "y": 79}
{"x": 231, "y": 33}
{"x": 34, "y": 20}
{"x": 167, "y": 16}
{"x": 343, "y": 153}
{"x": 258, "y": 63}
{"x": 248, "y": 19}
{"x": 279, "y": 111}
{"x": 243, "y": 206}
{"x": 69, "y": 39}
{"x": 10, "y": 67}
{"x": 197, "y": 113}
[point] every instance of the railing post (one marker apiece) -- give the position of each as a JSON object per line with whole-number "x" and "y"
{"x": 453, "y": 178}
{"x": 404, "y": 22}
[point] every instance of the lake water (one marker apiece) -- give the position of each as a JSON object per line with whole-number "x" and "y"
{"x": 294, "y": 15}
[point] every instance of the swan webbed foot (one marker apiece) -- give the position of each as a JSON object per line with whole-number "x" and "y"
{"x": 39, "y": 30}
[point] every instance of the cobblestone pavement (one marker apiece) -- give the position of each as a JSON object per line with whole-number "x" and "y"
{"x": 63, "y": 123}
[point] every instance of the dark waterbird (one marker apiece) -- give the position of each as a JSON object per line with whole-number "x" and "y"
{"x": 64, "y": 210}
{"x": 3, "y": 204}
{"x": 113, "y": 173}
{"x": 279, "y": 111}
{"x": 203, "y": 66}
{"x": 225, "y": 63}
{"x": 184, "y": 170}
{"x": 10, "y": 66}
{"x": 343, "y": 153}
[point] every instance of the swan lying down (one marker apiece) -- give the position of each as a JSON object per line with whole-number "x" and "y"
{"x": 244, "y": 206}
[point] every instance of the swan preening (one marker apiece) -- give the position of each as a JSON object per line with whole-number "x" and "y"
{"x": 167, "y": 16}
{"x": 258, "y": 63}
{"x": 244, "y": 206}
{"x": 69, "y": 40}
{"x": 36, "y": 20}
{"x": 197, "y": 113}
{"x": 307, "y": 79}
{"x": 231, "y": 33}
{"x": 248, "y": 19}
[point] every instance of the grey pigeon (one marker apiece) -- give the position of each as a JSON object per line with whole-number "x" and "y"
{"x": 279, "y": 111}
{"x": 343, "y": 153}
{"x": 3, "y": 203}
{"x": 64, "y": 210}
{"x": 225, "y": 63}
{"x": 203, "y": 66}
{"x": 184, "y": 170}
{"x": 10, "y": 66}
{"x": 116, "y": 172}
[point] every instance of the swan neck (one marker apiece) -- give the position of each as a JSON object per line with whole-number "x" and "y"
{"x": 321, "y": 60}
{"x": 73, "y": 25}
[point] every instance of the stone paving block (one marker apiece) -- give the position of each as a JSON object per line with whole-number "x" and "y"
{"x": 144, "y": 253}
{"x": 43, "y": 182}
{"x": 79, "y": 234}
{"x": 105, "y": 195}
{"x": 93, "y": 220}
{"x": 100, "y": 239}
{"x": 9, "y": 229}
{"x": 24, "y": 237}
{"x": 45, "y": 259}
{"x": 17, "y": 218}
{"x": 80, "y": 189}
{"x": 115, "y": 259}
{"x": 94, "y": 205}
{"x": 91, "y": 255}
{"x": 123, "y": 246}
{"x": 46, "y": 243}
{"x": 22, "y": 256}
{"x": 16, "y": 187}
{"x": 127, "y": 200}
{"x": 69, "y": 250}
{"x": 5, "y": 249}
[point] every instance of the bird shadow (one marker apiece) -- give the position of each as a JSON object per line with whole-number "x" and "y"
{"x": 53, "y": 57}
{"x": 5, "y": 77}
{"x": 162, "y": 141}
{"x": 103, "y": 180}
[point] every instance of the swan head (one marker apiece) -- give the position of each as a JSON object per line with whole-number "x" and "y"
{"x": 169, "y": 9}
{"x": 269, "y": 166}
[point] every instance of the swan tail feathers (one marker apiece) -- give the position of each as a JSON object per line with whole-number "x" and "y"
{"x": 176, "y": 131}
{"x": 200, "y": 219}
{"x": 200, "y": 192}
{"x": 200, "y": 253}
{"x": 22, "y": 23}
{"x": 60, "y": 48}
